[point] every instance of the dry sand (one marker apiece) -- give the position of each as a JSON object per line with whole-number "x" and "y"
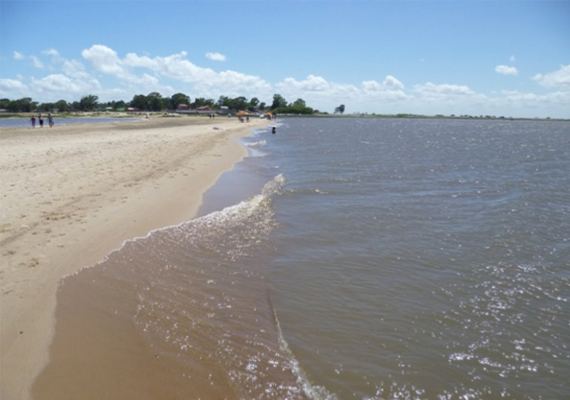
{"x": 71, "y": 194}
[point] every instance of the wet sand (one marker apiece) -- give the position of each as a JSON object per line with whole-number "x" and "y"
{"x": 71, "y": 194}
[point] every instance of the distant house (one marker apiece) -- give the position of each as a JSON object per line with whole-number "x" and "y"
{"x": 132, "y": 109}
{"x": 204, "y": 108}
{"x": 182, "y": 107}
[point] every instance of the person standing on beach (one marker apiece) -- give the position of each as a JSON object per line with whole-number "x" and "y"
{"x": 33, "y": 119}
{"x": 50, "y": 120}
{"x": 41, "y": 121}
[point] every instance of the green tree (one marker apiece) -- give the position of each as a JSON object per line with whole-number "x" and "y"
{"x": 154, "y": 102}
{"x": 61, "y": 106}
{"x": 139, "y": 101}
{"x": 22, "y": 105}
{"x": 262, "y": 106}
{"x": 339, "y": 109}
{"x": 46, "y": 107}
{"x": 179, "y": 98}
{"x": 223, "y": 101}
{"x": 278, "y": 101}
{"x": 167, "y": 103}
{"x": 293, "y": 109}
{"x": 201, "y": 101}
{"x": 88, "y": 103}
{"x": 254, "y": 102}
{"x": 300, "y": 102}
{"x": 240, "y": 103}
{"x": 118, "y": 104}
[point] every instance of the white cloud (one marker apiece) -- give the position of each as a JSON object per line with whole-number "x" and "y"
{"x": 512, "y": 59}
{"x": 104, "y": 73}
{"x": 216, "y": 57}
{"x": 505, "y": 70}
{"x": 560, "y": 78}
{"x": 58, "y": 83}
{"x": 11, "y": 85}
{"x": 311, "y": 84}
{"x": 391, "y": 89}
{"x": 546, "y": 104}
{"x": 318, "y": 92}
{"x": 390, "y": 84}
{"x": 74, "y": 68}
{"x": 432, "y": 90}
{"x": 36, "y": 62}
{"x": 325, "y": 95}
{"x": 105, "y": 60}
{"x": 175, "y": 67}
{"x": 51, "y": 52}
{"x": 393, "y": 83}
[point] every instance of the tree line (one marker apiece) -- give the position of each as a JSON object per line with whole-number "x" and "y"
{"x": 156, "y": 102}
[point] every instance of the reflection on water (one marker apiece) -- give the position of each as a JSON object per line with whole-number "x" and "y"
{"x": 183, "y": 311}
{"x": 380, "y": 259}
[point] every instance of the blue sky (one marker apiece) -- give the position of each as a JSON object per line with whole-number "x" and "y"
{"x": 501, "y": 58}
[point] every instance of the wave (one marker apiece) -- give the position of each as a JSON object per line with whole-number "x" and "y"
{"x": 193, "y": 297}
{"x": 311, "y": 391}
{"x": 260, "y": 143}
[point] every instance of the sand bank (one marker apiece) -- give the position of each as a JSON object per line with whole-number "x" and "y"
{"x": 71, "y": 194}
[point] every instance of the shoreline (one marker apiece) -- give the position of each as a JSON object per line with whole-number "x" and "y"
{"x": 72, "y": 194}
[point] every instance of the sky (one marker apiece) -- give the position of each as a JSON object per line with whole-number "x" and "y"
{"x": 500, "y": 58}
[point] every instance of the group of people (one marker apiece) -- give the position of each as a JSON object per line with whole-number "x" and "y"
{"x": 41, "y": 120}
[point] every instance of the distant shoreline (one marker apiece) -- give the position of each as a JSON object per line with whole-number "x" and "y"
{"x": 413, "y": 116}
{"x": 143, "y": 114}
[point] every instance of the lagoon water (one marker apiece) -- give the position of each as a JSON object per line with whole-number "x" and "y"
{"x": 25, "y": 122}
{"x": 344, "y": 259}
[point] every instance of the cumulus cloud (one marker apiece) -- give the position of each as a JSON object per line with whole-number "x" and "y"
{"x": 51, "y": 52}
{"x": 56, "y": 83}
{"x": 105, "y": 60}
{"x": 323, "y": 94}
{"x": 547, "y": 102}
{"x": 391, "y": 89}
{"x": 111, "y": 76}
{"x": 560, "y": 78}
{"x": 506, "y": 70}
{"x": 393, "y": 83}
{"x": 175, "y": 67}
{"x": 311, "y": 84}
{"x": 432, "y": 90}
{"x": 74, "y": 68}
{"x": 11, "y": 85}
{"x": 317, "y": 90}
{"x": 389, "y": 83}
{"x": 36, "y": 62}
{"x": 216, "y": 57}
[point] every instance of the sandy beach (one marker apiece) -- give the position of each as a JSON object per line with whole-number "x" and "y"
{"x": 73, "y": 193}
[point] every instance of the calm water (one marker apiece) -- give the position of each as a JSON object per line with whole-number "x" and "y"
{"x": 372, "y": 259}
{"x": 25, "y": 122}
